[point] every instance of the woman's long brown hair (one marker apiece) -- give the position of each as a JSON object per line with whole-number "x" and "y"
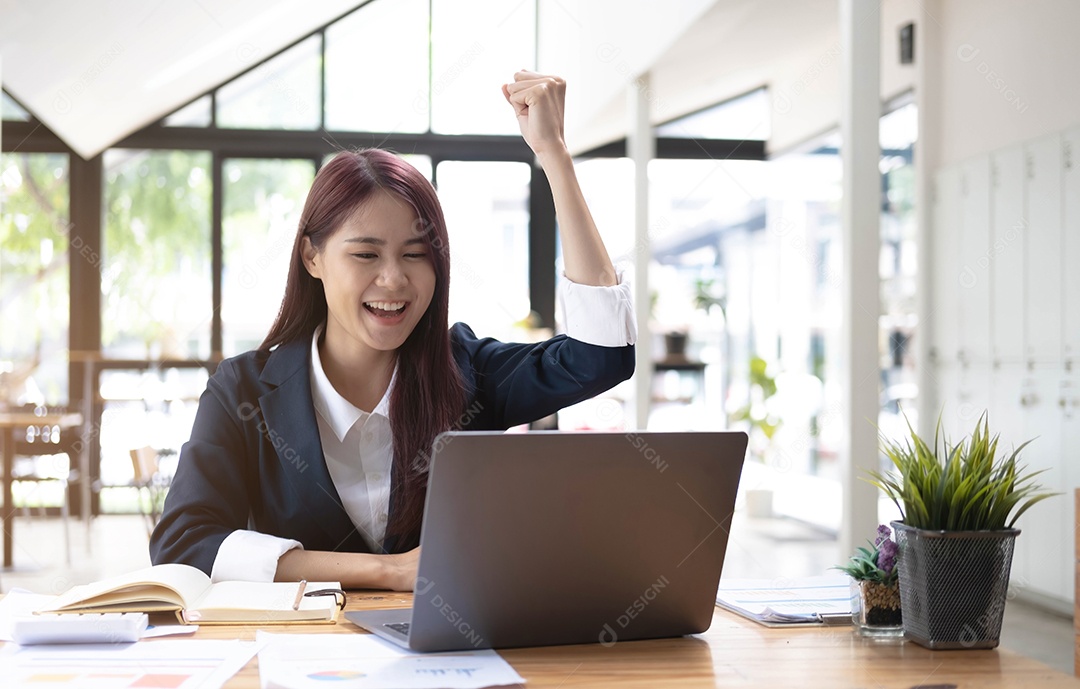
{"x": 429, "y": 393}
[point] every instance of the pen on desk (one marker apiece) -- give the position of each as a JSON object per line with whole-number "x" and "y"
{"x": 299, "y": 594}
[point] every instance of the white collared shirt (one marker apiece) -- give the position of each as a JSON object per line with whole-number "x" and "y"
{"x": 358, "y": 446}
{"x": 359, "y": 449}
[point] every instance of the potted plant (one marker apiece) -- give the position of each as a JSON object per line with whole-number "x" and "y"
{"x": 958, "y": 505}
{"x": 764, "y": 424}
{"x": 875, "y": 592}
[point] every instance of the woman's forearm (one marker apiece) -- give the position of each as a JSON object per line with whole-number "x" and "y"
{"x": 585, "y": 258}
{"x": 353, "y": 570}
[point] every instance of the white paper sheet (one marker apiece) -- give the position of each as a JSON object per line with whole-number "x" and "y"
{"x": 165, "y": 664}
{"x": 362, "y": 661}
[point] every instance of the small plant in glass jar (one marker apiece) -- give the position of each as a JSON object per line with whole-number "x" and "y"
{"x": 875, "y": 590}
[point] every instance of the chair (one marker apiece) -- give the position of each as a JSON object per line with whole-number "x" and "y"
{"x": 149, "y": 479}
{"x": 43, "y": 454}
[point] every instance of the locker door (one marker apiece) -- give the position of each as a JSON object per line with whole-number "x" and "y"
{"x": 975, "y": 261}
{"x": 1007, "y": 417}
{"x": 1071, "y": 240}
{"x": 1008, "y": 226}
{"x": 947, "y": 376}
{"x": 1069, "y": 403}
{"x": 1044, "y": 525}
{"x": 947, "y": 271}
{"x": 1043, "y": 267}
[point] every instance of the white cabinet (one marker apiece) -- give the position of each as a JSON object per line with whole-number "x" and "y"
{"x": 1071, "y": 241}
{"x": 1008, "y": 226}
{"x": 974, "y": 262}
{"x": 1005, "y": 275}
{"x": 946, "y": 268}
{"x": 1043, "y": 249}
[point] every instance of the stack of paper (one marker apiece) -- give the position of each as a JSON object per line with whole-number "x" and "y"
{"x": 810, "y": 600}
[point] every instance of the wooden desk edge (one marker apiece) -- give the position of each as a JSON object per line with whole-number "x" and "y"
{"x": 734, "y": 650}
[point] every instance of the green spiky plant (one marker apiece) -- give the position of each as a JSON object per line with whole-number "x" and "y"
{"x": 961, "y": 487}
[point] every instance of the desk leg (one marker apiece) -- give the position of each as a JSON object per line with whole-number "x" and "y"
{"x": 89, "y": 393}
{"x": 7, "y": 446}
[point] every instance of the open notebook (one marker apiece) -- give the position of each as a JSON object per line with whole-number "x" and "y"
{"x": 188, "y": 591}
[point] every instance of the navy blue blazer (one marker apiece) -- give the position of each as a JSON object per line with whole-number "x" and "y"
{"x": 255, "y": 461}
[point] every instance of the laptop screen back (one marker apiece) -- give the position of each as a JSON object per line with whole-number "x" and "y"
{"x": 562, "y": 538}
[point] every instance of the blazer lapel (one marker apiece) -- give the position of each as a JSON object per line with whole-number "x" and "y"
{"x": 289, "y": 413}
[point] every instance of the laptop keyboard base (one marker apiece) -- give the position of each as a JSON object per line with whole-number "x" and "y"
{"x": 399, "y": 627}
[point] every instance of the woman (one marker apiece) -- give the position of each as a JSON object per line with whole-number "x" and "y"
{"x": 308, "y": 457}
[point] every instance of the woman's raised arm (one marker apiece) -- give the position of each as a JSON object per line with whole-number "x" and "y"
{"x": 538, "y": 101}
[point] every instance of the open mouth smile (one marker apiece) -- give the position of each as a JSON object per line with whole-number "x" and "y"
{"x": 386, "y": 309}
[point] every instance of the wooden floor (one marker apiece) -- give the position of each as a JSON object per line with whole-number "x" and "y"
{"x": 756, "y": 548}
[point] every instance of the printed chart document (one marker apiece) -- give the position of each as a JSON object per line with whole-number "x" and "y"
{"x": 781, "y": 602}
{"x": 363, "y": 661}
{"x": 188, "y": 591}
{"x": 162, "y": 664}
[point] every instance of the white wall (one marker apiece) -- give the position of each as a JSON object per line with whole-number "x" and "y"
{"x": 1008, "y": 72}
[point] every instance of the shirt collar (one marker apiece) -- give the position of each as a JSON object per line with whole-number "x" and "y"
{"x": 340, "y": 413}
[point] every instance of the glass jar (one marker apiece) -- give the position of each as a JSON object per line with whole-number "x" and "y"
{"x": 875, "y": 610}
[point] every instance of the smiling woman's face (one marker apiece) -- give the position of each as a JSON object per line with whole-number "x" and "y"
{"x": 377, "y": 275}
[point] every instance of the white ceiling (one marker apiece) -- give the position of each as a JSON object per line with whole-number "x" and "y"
{"x": 95, "y": 72}
{"x": 737, "y": 46}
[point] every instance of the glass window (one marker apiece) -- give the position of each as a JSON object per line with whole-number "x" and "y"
{"x": 421, "y": 162}
{"x": 34, "y": 225}
{"x": 607, "y": 183}
{"x": 10, "y": 110}
{"x": 155, "y": 280}
{"x": 282, "y": 93}
{"x": 898, "y": 265}
{"x": 263, "y": 200}
{"x": 787, "y": 305}
{"x": 695, "y": 207}
{"x": 487, "y": 213}
{"x": 194, "y": 114}
{"x": 377, "y": 68}
{"x": 150, "y": 407}
{"x": 472, "y": 54}
{"x": 744, "y": 117}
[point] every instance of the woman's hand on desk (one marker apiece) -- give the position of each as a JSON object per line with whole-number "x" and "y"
{"x": 354, "y": 570}
{"x": 400, "y": 570}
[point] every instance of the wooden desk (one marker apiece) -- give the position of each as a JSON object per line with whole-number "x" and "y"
{"x": 9, "y": 422}
{"x": 734, "y": 652}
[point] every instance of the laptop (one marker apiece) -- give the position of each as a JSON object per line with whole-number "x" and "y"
{"x": 547, "y": 538}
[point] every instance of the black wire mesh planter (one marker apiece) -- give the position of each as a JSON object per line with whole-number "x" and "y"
{"x": 953, "y": 585}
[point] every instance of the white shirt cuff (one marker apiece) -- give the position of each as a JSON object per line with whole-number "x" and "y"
{"x": 602, "y": 316}
{"x": 250, "y": 556}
